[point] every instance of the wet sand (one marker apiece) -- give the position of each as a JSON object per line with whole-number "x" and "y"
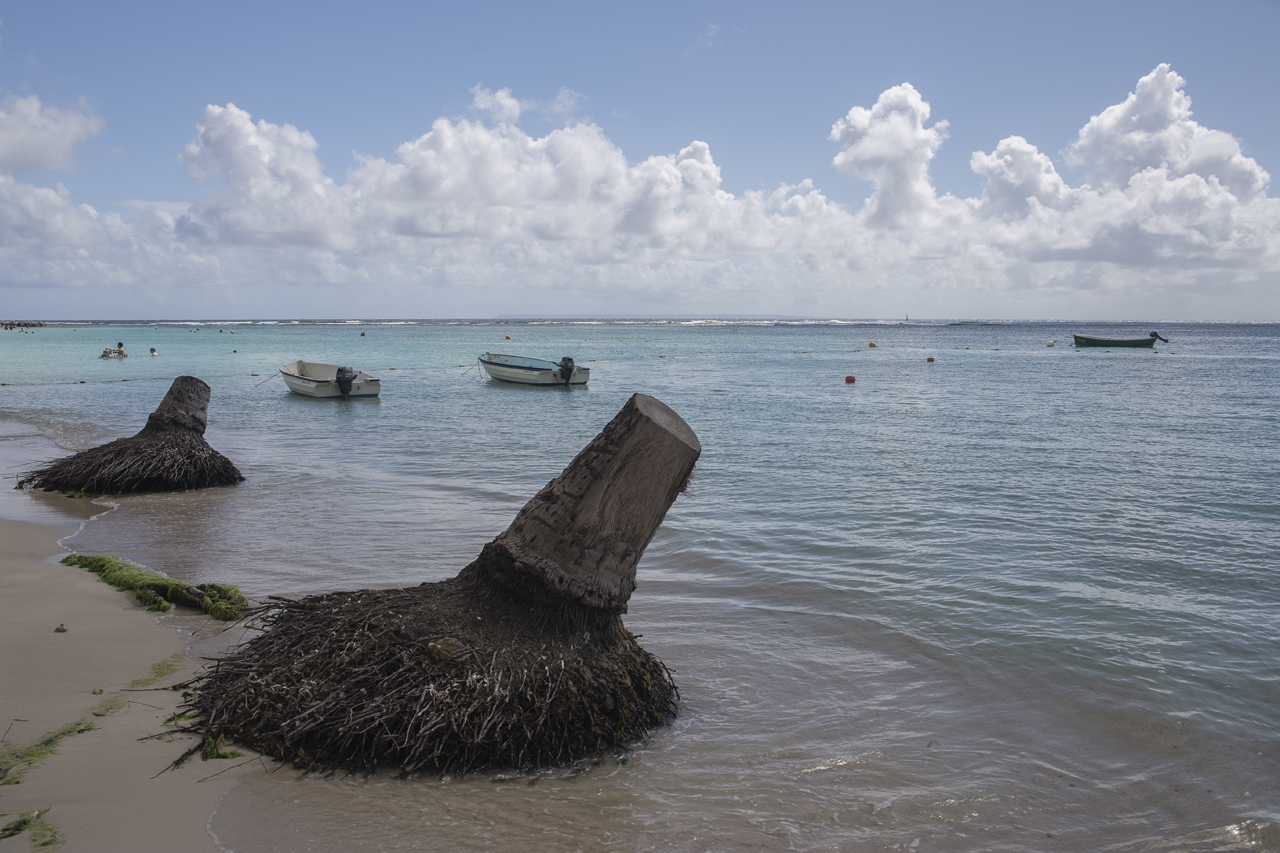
{"x": 105, "y": 788}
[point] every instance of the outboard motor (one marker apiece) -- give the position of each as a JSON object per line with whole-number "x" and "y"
{"x": 1156, "y": 335}
{"x": 346, "y": 375}
{"x": 566, "y": 369}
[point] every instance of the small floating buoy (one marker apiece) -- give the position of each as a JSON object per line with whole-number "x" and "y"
{"x": 872, "y": 345}
{"x": 849, "y": 380}
{"x": 929, "y": 359}
{"x": 362, "y": 334}
{"x": 1049, "y": 344}
{"x": 508, "y": 337}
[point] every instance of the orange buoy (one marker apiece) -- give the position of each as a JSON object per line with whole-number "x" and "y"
{"x": 929, "y": 359}
{"x": 849, "y": 380}
{"x": 871, "y": 345}
{"x": 508, "y": 337}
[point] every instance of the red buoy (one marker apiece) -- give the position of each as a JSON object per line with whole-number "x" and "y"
{"x": 849, "y": 380}
{"x": 929, "y": 359}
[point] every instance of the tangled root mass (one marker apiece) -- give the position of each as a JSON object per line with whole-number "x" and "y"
{"x": 163, "y": 462}
{"x": 446, "y": 677}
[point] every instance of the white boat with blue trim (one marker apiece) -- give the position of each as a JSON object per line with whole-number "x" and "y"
{"x": 534, "y": 371}
{"x": 314, "y": 379}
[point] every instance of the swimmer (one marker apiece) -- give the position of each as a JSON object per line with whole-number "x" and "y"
{"x": 119, "y": 350}
{"x": 153, "y": 351}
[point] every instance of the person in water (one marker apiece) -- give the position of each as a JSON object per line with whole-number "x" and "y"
{"x": 153, "y": 351}
{"x": 119, "y": 350}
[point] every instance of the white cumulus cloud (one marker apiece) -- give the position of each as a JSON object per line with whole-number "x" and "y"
{"x": 36, "y": 137}
{"x": 466, "y": 190}
{"x": 1153, "y": 129}
{"x": 481, "y": 205}
{"x": 890, "y": 146}
{"x": 1018, "y": 178}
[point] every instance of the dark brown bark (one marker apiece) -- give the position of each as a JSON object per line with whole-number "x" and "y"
{"x": 584, "y": 533}
{"x": 185, "y": 407}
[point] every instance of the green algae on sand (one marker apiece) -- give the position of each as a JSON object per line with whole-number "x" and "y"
{"x": 157, "y": 592}
{"x": 15, "y": 761}
{"x": 42, "y": 835}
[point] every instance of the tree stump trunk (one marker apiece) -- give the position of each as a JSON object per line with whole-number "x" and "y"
{"x": 185, "y": 407}
{"x": 168, "y": 454}
{"x": 521, "y": 660}
{"x": 583, "y": 534}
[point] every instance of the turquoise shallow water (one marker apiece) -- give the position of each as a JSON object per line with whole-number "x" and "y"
{"x": 1020, "y": 598}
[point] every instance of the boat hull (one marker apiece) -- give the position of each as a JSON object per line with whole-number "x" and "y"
{"x": 529, "y": 371}
{"x": 314, "y": 379}
{"x": 1089, "y": 341}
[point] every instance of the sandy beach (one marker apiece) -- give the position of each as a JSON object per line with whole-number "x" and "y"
{"x": 104, "y": 787}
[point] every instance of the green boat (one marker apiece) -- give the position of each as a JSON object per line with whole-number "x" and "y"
{"x": 1090, "y": 341}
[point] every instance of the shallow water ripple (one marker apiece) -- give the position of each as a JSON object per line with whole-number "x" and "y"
{"x": 1020, "y": 598}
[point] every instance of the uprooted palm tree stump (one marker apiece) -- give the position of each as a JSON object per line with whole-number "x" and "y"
{"x": 520, "y": 661}
{"x": 168, "y": 454}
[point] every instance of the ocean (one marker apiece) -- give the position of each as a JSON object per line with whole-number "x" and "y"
{"x": 1019, "y": 598}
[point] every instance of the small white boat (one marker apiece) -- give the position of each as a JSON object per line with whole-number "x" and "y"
{"x": 534, "y": 371}
{"x": 312, "y": 379}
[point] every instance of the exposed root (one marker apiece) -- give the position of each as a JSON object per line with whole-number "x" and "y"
{"x": 445, "y": 677}
{"x": 148, "y": 462}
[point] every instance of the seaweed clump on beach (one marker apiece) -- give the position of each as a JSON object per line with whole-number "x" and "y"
{"x": 522, "y": 660}
{"x": 169, "y": 454}
{"x": 157, "y": 592}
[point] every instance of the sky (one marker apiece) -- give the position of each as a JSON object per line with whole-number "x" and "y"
{"x": 1001, "y": 160}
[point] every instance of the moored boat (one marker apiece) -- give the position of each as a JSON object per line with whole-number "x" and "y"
{"x": 534, "y": 371}
{"x": 1091, "y": 341}
{"x": 314, "y": 379}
